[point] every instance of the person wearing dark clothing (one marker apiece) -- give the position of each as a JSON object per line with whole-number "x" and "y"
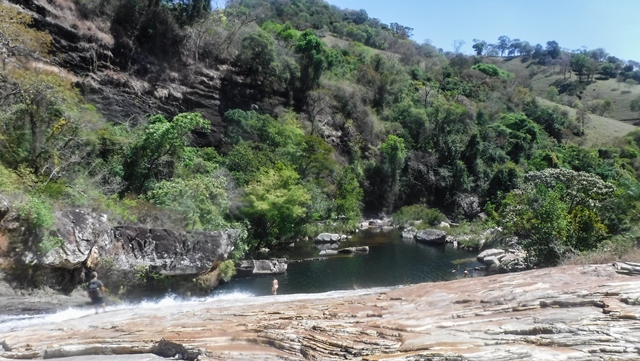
{"x": 96, "y": 292}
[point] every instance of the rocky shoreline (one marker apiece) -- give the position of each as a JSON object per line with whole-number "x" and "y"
{"x": 564, "y": 313}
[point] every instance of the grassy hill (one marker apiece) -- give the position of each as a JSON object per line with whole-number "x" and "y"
{"x": 599, "y": 130}
{"x": 541, "y": 77}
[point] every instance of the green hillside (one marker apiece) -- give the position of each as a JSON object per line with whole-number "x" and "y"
{"x": 289, "y": 118}
{"x": 599, "y": 131}
{"x": 541, "y": 77}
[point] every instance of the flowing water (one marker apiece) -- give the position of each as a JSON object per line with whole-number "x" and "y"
{"x": 391, "y": 261}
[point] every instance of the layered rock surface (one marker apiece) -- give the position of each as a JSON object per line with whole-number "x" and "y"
{"x": 566, "y": 313}
{"x": 123, "y": 255}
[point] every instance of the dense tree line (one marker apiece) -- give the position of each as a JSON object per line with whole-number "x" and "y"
{"x": 376, "y": 124}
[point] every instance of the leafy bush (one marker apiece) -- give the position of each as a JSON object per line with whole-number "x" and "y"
{"x": 8, "y": 179}
{"x": 38, "y": 212}
{"x": 417, "y": 213}
{"x": 492, "y": 70}
{"x": 339, "y": 227}
{"x": 227, "y": 270}
{"x": 202, "y": 200}
{"x": 48, "y": 243}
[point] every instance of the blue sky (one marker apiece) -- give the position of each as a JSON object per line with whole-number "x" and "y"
{"x": 610, "y": 24}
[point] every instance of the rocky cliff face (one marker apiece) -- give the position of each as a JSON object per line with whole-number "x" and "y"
{"x": 579, "y": 313}
{"x": 125, "y": 256}
{"x": 131, "y": 94}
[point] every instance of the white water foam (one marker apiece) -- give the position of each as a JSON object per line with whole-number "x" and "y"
{"x": 13, "y": 323}
{"x": 16, "y": 322}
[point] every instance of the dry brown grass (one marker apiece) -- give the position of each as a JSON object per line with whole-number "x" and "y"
{"x": 38, "y": 66}
{"x": 65, "y": 12}
{"x": 605, "y": 256}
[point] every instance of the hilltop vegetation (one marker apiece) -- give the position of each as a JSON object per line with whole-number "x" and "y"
{"x": 362, "y": 119}
{"x": 591, "y": 79}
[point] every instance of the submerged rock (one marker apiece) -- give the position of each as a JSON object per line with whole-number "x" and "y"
{"x": 362, "y": 249}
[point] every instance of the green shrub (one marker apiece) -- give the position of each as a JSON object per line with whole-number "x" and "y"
{"x": 340, "y": 227}
{"x": 471, "y": 242}
{"x": 492, "y": 70}
{"x": 37, "y": 212}
{"x": 8, "y": 179}
{"x": 48, "y": 243}
{"x": 227, "y": 270}
{"x": 417, "y": 212}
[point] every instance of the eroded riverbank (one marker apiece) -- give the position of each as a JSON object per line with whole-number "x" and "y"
{"x": 571, "y": 312}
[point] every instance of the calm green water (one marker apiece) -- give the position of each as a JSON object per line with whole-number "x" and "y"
{"x": 391, "y": 261}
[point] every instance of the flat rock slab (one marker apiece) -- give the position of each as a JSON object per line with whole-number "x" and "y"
{"x": 565, "y": 313}
{"x": 139, "y": 357}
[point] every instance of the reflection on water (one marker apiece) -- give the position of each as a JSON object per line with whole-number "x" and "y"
{"x": 391, "y": 261}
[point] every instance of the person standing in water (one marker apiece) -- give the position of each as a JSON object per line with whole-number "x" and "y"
{"x": 274, "y": 287}
{"x": 96, "y": 292}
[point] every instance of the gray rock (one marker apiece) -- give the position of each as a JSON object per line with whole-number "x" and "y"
{"x": 4, "y": 208}
{"x": 491, "y": 260}
{"x": 362, "y": 249}
{"x": 261, "y": 266}
{"x": 467, "y": 204}
{"x": 431, "y": 236}
{"x": 328, "y": 252}
{"x": 409, "y": 232}
{"x": 493, "y": 252}
{"x": 328, "y": 237}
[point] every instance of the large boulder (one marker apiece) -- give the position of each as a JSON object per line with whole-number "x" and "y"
{"x": 168, "y": 252}
{"x": 86, "y": 239}
{"x": 467, "y": 205}
{"x": 433, "y": 236}
{"x": 77, "y": 232}
{"x": 128, "y": 258}
{"x": 493, "y": 252}
{"x": 512, "y": 262}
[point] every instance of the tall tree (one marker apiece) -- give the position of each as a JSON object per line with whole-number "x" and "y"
{"x": 553, "y": 49}
{"x": 276, "y": 205}
{"x": 479, "y": 46}
{"x": 393, "y": 157}
{"x": 457, "y": 45}
{"x": 503, "y": 44}
{"x": 153, "y": 156}
{"x": 579, "y": 64}
{"x": 39, "y": 124}
{"x": 311, "y": 51}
